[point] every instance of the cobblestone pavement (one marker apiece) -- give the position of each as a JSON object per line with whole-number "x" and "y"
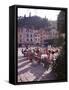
{"x": 28, "y": 71}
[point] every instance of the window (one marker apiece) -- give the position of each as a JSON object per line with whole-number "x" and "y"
{"x": 31, "y": 35}
{"x": 36, "y": 39}
{"x": 27, "y": 39}
{"x": 35, "y": 35}
{"x": 31, "y": 39}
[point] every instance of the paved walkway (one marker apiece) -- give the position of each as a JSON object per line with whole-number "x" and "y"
{"x": 28, "y": 71}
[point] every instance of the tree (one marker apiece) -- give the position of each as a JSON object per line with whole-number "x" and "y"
{"x": 60, "y": 66}
{"x": 61, "y": 22}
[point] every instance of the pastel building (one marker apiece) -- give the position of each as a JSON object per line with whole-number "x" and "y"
{"x": 28, "y": 36}
{"x": 35, "y": 37}
{"x": 25, "y": 36}
{"x": 20, "y": 37}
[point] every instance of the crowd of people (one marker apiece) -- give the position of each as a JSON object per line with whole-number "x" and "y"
{"x": 41, "y": 55}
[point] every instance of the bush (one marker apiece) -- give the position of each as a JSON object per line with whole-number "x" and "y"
{"x": 59, "y": 67}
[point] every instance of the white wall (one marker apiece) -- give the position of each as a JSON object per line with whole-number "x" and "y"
{"x": 4, "y": 44}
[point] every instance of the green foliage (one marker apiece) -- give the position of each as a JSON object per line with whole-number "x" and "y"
{"x": 60, "y": 41}
{"x": 61, "y": 22}
{"x": 59, "y": 67}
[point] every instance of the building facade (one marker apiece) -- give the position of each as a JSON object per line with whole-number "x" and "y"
{"x": 35, "y": 37}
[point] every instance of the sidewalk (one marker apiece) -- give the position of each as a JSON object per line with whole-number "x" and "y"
{"x": 33, "y": 72}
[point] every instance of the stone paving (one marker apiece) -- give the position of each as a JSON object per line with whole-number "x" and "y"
{"x": 28, "y": 71}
